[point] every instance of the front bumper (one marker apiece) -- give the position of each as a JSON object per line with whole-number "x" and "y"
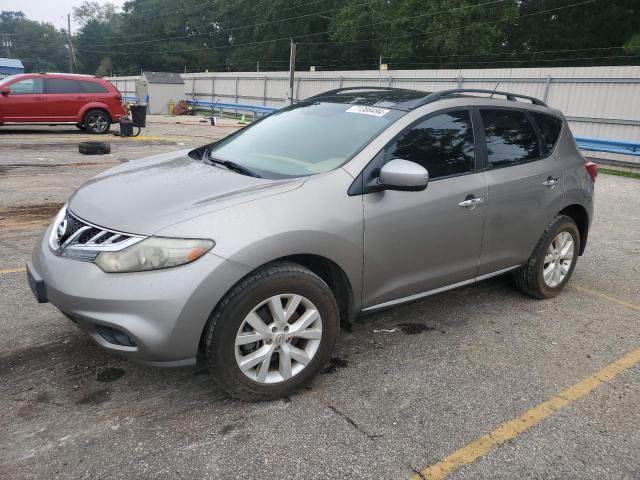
{"x": 163, "y": 312}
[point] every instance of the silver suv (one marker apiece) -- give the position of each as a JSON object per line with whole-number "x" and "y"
{"x": 249, "y": 254}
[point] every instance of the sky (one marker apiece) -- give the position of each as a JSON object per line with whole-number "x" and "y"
{"x": 52, "y": 11}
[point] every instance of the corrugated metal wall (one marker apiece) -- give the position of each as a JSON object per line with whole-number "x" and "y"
{"x": 602, "y": 102}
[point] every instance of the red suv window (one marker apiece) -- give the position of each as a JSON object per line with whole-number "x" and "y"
{"x": 59, "y": 85}
{"x": 93, "y": 87}
{"x": 26, "y": 86}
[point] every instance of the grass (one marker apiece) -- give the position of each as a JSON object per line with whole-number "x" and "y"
{"x": 619, "y": 173}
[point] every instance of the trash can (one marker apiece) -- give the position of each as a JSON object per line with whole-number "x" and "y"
{"x": 139, "y": 114}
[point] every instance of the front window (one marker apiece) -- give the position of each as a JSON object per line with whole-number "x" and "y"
{"x": 443, "y": 144}
{"x": 305, "y": 139}
{"x": 28, "y": 86}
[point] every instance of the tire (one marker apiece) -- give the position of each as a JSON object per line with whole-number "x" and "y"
{"x": 97, "y": 121}
{"x": 530, "y": 278}
{"x": 223, "y": 357}
{"x": 79, "y": 126}
{"x": 94, "y": 148}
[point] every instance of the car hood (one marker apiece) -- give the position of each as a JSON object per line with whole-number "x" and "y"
{"x": 143, "y": 196}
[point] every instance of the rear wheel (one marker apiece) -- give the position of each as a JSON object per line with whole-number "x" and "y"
{"x": 550, "y": 266}
{"x": 97, "y": 121}
{"x": 272, "y": 333}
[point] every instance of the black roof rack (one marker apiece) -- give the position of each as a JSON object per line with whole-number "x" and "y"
{"x": 346, "y": 89}
{"x": 446, "y": 93}
{"x": 432, "y": 97}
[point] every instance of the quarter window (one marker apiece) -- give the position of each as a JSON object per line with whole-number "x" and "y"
{"x": 550, "y": 127}
{"x": 93, "y": 87}
{"x": 511, "y": 139}
{"x": 26, "y": 86}
{"x": 443, "y": 144}
{"x": 58, "y": 85}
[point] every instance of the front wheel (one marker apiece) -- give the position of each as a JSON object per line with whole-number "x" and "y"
{"x": 272, "y": 333}
{"x": 553, "y": 260}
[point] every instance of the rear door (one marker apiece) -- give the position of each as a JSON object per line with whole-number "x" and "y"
{"x": 25, "y": 103}
{"x": 420, "y": 241}
{"x": 65, "y": 98}
{"x": 526, "y": 187}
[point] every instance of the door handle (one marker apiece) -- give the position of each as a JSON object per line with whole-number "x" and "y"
{"x": 39, "y": 98}
{"x": 81, "y": 98}
{"x": 550, "y": 182}
{"x": 471, "y": 202}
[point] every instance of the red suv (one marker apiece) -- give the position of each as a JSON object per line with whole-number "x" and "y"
{"x": 91, "y": 103}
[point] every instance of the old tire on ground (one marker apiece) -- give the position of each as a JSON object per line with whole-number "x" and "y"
{"x": 272, "y": 333}
{"x": 97, "y": 121}
{"x": 94, "y": 148}
{"x": 553, "y": 260}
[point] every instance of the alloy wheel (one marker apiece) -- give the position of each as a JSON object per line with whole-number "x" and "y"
{"x": 558, "y": 259}
{"x": 97, "y": 123}
{"x": 278, "y": 338}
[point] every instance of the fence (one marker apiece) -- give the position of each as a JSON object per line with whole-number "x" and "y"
{"x": 599, "y": 102}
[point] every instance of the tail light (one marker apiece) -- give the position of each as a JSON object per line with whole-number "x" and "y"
{"x": 592, "y": 169}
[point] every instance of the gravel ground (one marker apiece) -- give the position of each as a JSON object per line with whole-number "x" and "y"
{"x": 392, "y": 402}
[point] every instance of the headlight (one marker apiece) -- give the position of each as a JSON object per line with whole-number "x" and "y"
{"x": 153, "y": 253}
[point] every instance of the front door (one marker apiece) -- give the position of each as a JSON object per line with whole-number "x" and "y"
{"x": 416, "y": 242}
{"x": 25, "y": 102}
{"x": 525, "y": 188}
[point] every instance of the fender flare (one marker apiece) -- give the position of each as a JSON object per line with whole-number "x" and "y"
{"x": 91, "y": 106}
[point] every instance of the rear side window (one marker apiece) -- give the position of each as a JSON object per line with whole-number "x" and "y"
{"x": 443, "y": 144}
{"x": 59, "y": 85}
{"x": 26, "y": 86}
{"x": 511, "y": 139}
{"x": 93, "y": 87}
{"x": 550, "y": 126}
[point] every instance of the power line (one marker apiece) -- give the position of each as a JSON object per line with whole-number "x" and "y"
{"x": 223, "y": 22}
{"x": 290, "y": 19}
{"x": 524, "y": 15}
{"x": 429, "y": 32}
{"x": 288, "y": 37}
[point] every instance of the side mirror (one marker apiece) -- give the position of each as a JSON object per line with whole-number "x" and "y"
{"x": 5, "y": 91}
{"x": 404, "y": 176}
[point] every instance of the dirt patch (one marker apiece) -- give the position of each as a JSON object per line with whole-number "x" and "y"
{"x": 414, "y": 328}
{"x": 12, "y": 166}
{"x": 28, "y": 216}
{"x": 110, "y": 374}
{"x": 95, "y": 398}
{"x": 335, "y": 364}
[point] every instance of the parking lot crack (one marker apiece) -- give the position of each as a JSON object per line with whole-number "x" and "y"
{"x": 353, "y": 423}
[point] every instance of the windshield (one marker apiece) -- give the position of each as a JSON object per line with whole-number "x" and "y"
{"x": 304, "y": 139}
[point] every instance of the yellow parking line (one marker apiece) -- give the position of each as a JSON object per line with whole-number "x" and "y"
{"x": 12, "y": 270}
{"x": 607, "y": 297}
{"x": 483, "y": 445}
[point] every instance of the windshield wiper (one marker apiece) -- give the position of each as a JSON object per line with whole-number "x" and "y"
{"x": 236, "y": 167}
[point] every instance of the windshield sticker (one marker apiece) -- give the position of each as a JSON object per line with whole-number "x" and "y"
{"x": 376, "y": 112}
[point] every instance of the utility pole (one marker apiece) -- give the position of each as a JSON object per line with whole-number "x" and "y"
{"x": 292, "y": 70}
{"x": 258, "y": 66}
{"x": 72, "y": 55}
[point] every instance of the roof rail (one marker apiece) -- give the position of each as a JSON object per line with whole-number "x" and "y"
{"x": 346, "y": 89}
{"x": 445, "y": 93}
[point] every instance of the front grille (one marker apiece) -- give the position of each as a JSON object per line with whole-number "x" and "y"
{"x": 71, "y": 231}
{"x": 78, "y": 239}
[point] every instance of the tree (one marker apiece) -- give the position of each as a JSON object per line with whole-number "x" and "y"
{"x": 39, "y": 45}
{"x": 93, "y": 11}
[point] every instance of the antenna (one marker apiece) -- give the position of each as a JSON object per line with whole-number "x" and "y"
{"x": 494, "y": 89}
